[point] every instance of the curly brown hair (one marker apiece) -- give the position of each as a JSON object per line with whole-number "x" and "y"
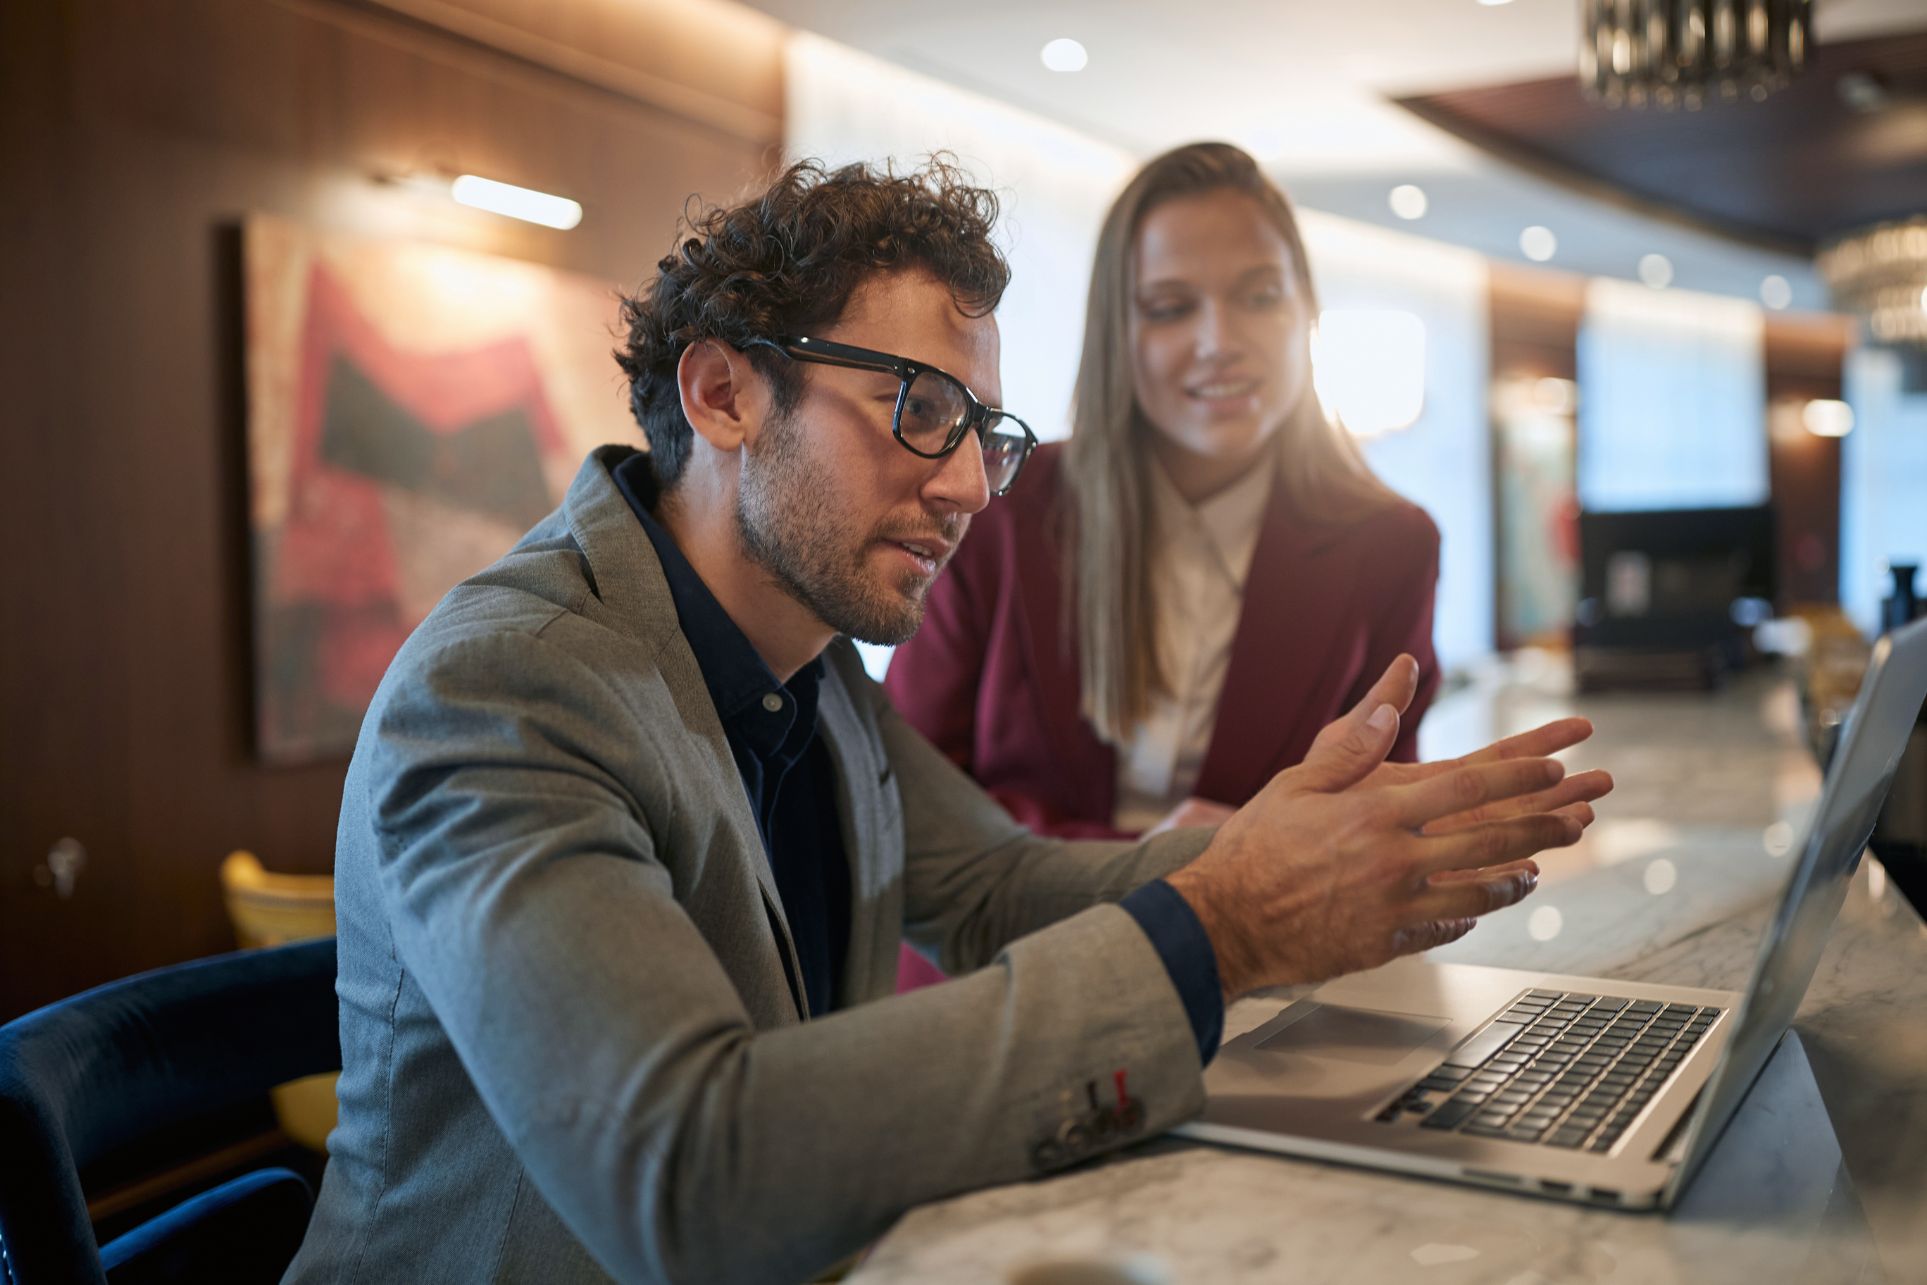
{"x": 786, "y": 263}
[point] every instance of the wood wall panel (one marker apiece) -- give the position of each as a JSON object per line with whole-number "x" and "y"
{"x": 1804, "y": 357}
{"x": 137, "y": 136}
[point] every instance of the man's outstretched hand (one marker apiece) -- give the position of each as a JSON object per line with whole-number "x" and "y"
{"x": 1345, "y": 861}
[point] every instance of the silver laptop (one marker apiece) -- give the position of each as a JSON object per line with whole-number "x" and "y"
{"x": 1579, "y": 1088}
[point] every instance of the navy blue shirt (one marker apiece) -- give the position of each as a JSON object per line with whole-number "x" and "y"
{"x": 791, "y": 784}
{"x": 786, "y": 770}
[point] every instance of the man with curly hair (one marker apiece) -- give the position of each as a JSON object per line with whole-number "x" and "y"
{"x": 630, "y": 841}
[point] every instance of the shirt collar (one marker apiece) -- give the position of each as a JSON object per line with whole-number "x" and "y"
{"x": 1227, "y": 522}
{"x": 735, "y": 674}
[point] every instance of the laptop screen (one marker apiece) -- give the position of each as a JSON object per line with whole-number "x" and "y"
{"x": 1868, "y": 754}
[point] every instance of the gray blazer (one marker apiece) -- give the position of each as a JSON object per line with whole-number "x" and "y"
{"x": 572, "y": 1045}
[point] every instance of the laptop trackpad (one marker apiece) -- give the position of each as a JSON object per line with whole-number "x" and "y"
{"x": 1370, "y": 1036}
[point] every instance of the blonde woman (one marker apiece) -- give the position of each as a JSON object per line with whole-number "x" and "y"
{"x": 1166, "y": 609}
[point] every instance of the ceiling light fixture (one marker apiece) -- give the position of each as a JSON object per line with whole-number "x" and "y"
{"x": 1675, "y": 52}
{"x": 1826, "y": 417}
{"x": 1408, "y": 201}
{"x": 515, "y": 202}
{"x": 1064, "y": 54}
{"x": 1538, "y": 243}
{"x": 1880, "y": 274}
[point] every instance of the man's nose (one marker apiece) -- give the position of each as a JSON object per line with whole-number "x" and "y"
{"x": 959, "y": 482}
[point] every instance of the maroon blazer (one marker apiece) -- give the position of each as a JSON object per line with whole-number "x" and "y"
{"x": 992, "y": 679}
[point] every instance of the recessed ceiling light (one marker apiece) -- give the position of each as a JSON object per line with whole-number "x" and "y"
{"x": 1656, "y": 270}
{"x": 1493, "y": 4}
{"x": 1538, "y": 243}
{"x": 1064, "y": 54}
{"x": 1775, "y": 292}
{"x": 1408, "y": 202}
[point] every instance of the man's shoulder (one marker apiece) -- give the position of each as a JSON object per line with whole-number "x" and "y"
{"x": 532, "y": 623}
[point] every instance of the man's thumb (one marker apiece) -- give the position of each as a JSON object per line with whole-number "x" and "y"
{"x": 1346, "y": 751}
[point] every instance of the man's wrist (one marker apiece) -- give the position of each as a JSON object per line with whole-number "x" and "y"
{"x": 1227, "y": 943}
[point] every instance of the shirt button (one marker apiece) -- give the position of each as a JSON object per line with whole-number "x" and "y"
{"x": 773, "y": 703}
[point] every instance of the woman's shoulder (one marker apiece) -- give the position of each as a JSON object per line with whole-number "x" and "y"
{"x": 1388, "y": 537}
{"x": 1402, "y": 523}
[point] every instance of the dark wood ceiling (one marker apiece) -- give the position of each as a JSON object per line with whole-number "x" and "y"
{"x": 1788, "y": 173}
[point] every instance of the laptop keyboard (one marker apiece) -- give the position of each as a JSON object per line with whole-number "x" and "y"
{"x": 1561, "y": 1069}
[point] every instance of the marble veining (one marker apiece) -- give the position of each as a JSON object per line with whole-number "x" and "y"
{"x": 1826, "y": 1188}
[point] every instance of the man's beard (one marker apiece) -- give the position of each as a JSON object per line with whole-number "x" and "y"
{"x": 788, "y": 520}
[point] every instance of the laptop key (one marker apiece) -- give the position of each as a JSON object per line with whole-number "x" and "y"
{"x": 1450, "y": 1115}
{"x": 1567, "y": 1137}
{"x": 1482, "y": 1046}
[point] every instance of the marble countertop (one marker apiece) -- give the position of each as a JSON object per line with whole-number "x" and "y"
{"x": 1823, "y": 1178}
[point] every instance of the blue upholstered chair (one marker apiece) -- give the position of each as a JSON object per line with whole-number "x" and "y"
{"x": 90, "y": 1075}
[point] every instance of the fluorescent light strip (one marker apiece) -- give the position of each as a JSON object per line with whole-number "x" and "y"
{"x": 516, "y": 202}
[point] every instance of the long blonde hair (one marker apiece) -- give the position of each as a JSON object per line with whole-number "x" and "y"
{"x": 1107, "y": 555}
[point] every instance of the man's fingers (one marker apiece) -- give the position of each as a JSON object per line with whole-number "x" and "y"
{"x": 1471, "y": 788}
{"x": 1470, "y": 898}
{"x": 1580, "y": 812}
{"x": 1347, "y": 750}
{"x": 1547, "y": 738}
{"x": 1395, "y": 687}
{"x": 1424, "y": 936}
{"x": 1524, "y": 865}
{"x": 1497, "y": 843}
{"x": 1583, "y": 787}
{"x": 1541, "y": 741}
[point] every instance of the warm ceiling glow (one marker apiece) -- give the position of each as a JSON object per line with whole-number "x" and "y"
{"x": 1538, "y": 243}
{"x": 1368, "y": 368}
{"x": 516, "y": 202}
{"x": 1408, "y": 202}
{"x": 1656, "y": 270}
{"x": 1775, "y": 292}
{"x": 1065, "y": 54}
{"x": 1825, "y": 417}
{"x": 1493, "y": 4}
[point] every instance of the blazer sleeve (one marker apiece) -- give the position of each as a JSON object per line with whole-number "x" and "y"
{"x": 521, "y": 879}
{"x": 1402, "y": 617}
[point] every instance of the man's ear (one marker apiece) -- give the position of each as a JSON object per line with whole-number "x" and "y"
{"x": 722, "y": 395}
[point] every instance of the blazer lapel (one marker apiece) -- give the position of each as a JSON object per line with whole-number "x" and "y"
{"x": 1295, "y": 597}
{"x": 843, "y": 735}
{"x": 635, "y": 597}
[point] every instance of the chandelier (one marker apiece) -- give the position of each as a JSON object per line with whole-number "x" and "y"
{"x": 1880, "y": 273}
{"x": 1674, "y": 52}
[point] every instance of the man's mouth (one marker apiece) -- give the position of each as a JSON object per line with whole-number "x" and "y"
{"x": 929, "y": 554}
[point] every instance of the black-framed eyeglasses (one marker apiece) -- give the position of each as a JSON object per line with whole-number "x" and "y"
{"x": 934, "y": 410}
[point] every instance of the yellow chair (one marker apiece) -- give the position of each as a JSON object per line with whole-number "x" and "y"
{"x": 270, "y": 910}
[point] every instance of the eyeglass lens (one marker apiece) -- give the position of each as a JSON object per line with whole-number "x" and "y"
{"x": 934, "y": 408}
